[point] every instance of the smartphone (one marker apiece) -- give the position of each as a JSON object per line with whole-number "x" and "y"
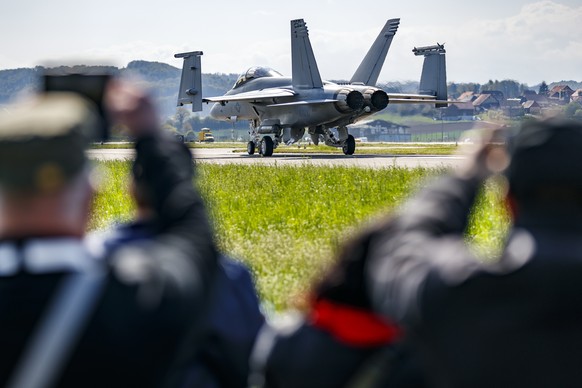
{"x": 91, "y": 86}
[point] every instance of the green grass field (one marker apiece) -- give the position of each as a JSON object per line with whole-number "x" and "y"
{"x": 287, "y": 222}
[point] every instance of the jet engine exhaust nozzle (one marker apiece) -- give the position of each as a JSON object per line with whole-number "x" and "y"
{"x": 376, "y": 99}
{"x": 349, "y": 100}
{"x": 379, "y": 99}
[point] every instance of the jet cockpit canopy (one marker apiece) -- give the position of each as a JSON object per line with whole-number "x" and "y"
{"x": 256, "y": 72}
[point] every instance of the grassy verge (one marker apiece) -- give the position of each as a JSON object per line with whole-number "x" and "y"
{"x": 111, "y": 146}
{"x": 286, "y": 222}
{"x": 112, "y": 203}
{"x": 403, "y": 120}
{"x": 362, "y": 148}
{"x": 370, "y": 149}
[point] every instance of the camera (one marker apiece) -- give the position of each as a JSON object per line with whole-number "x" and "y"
{"x": 89, "y": 85}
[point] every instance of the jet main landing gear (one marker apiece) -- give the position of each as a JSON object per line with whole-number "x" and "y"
{"x": 350, "y": 146}
{"x": 346, "y": 141}
{"x": 251, "y": 147}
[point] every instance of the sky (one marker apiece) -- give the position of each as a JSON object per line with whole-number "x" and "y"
{"x": 527, "y": 41}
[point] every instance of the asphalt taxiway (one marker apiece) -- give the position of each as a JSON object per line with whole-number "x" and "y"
{"x": 226, "y": 155}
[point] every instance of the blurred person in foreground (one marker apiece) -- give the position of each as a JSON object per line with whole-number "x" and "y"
{"x": 514, "y": 323}
{"x": 66, "y": 319}
{"x": 233, "y": 317}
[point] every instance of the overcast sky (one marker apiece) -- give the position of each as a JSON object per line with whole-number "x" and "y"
{"x": 529, "y": 41}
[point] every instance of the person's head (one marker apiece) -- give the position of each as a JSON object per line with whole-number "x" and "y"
{"x": 44, "y": 179}
{"x": 545, "y": 170}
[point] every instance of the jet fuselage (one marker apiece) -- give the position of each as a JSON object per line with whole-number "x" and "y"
{"x": 279, "y": 108}
{"x": 307, "y": 108}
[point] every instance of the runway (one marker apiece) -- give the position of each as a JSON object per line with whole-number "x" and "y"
{"x": 226, "y": 155}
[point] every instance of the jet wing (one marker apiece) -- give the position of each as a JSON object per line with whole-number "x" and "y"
{"x": 252, "y": 96}
{"x": 306, "y": 102}
{"x": 401, "y": 98}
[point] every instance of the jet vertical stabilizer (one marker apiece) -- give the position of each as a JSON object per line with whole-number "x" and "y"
{"x": 369, "y": 70}
{"x": 305, "y": 73}
{"x": 433, "y": 80}
{"x": 191, "y": 82}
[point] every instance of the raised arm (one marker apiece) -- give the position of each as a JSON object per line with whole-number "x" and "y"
{"x": 181, "y": 255}
{"x": 426, "y": 237}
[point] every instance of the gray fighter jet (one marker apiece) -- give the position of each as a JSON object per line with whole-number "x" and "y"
{"x": 280, "y": 108}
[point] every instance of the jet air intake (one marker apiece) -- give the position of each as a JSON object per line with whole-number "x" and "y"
{"x": 375, "y": 98}
{"x": 349, "y": 100}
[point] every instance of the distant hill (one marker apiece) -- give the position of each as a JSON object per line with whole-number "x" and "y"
{"x": 163, "y": 81}
{"x": 574, "y": 85}
{"x": 17, "y": 81}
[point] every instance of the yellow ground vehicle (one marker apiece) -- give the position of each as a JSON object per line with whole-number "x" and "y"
{"x": 205, "y": 136}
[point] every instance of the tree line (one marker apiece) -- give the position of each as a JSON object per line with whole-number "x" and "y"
{"x": 163, "y": 80}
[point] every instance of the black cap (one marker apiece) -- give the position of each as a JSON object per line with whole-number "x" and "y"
{"x": 546, "y": 158}
{"x": 43, "y": 142}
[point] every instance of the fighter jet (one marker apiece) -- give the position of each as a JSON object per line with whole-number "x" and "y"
{"x": 280, "y": 109}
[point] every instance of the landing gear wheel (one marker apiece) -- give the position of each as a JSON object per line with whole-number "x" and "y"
{"x": 251, "y": 147}
{"x": 267, "y": 146}
{"x": 350, "y": 147}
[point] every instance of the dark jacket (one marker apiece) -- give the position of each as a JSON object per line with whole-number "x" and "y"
{"x": 147, "y": 318}
{"x": 230, "y": 325}
{"x": 515, "y": 323}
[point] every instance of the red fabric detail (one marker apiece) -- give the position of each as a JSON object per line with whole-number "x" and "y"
{"x": 353, "y": 326}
